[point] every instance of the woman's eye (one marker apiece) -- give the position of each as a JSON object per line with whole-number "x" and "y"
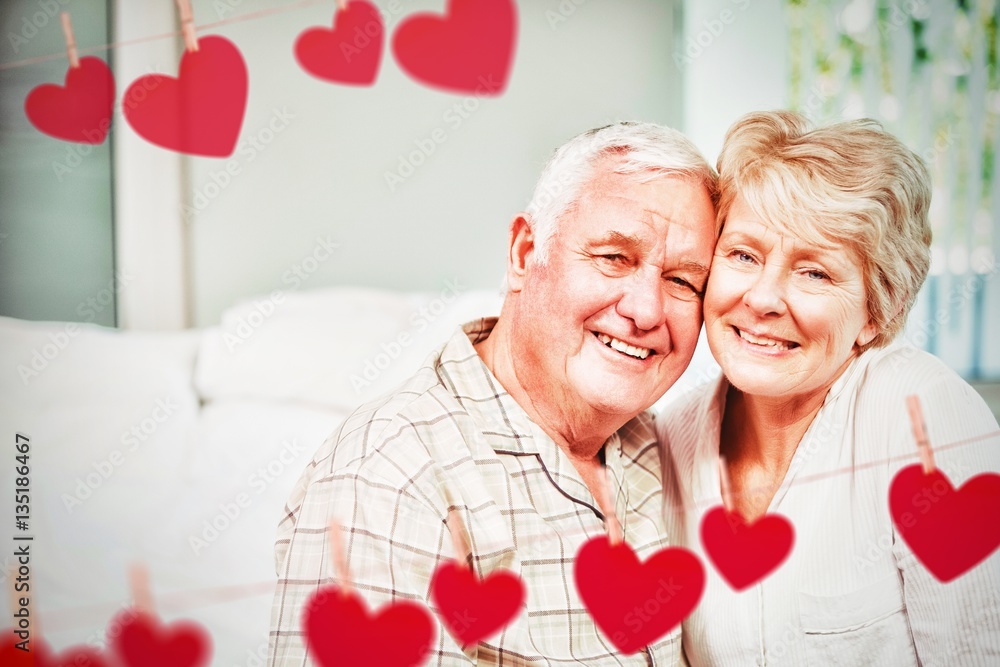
{"x": 816, "y": 274}
{"x": 742, "y": 256}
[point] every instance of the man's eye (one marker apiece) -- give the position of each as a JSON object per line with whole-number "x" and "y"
{"x": 683, "y": 283}
{"x": 683, "y": 289}
{"x": 614, "y": 258}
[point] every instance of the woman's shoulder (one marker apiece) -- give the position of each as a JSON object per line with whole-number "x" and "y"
{"x": 951, "y": 407}
{"x": 892, "y": 373}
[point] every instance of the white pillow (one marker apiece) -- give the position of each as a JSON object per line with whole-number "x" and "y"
{"x": 335, "y": 347}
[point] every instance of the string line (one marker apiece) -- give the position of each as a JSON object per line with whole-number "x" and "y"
{"x": 165, "y": 35}
{"x": 182, "y": 601}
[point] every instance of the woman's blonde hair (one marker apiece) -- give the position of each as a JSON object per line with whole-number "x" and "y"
{"x": 849, "y": 184}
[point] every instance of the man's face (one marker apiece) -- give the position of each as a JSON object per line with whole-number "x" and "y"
{"x": 611, "y": 320}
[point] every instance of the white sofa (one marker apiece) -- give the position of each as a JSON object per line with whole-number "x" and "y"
{"x": 178, "y": 450}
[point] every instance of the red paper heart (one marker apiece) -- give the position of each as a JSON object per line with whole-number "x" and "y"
{"x": 41, "y": 655}
{"x": 744, "y": 554}
{"x": 950, "y": 531}
{"x": 474, "y": 609}
{"x": 340, "y": 631}
{"x": 469, "y": 50}
{"x": 351, "y": 52}
{"x": 145, "y": 642}
{"x": 10, "y": 656}
{"x": 201, "y": 111}
{"x": 634, "y": 603}
{"x": 81, "y": 110}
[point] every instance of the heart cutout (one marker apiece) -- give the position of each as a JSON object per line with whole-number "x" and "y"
{"x": 81, "y": 110}
{"x": 350, "y": 52}
{"x": 340, "y": 631}
{"x": 950, "y": 531}
{"x": 11, "y": 656}
{"x": 201, "y": 111}
{"x": 145, "y": 642}
{"x": 468, "y": 50}
{"x": 474, "y": 609}
{"x": 634, "y": 603}
{"x": 745, "y": 553}
{"x": 41, "y": 655}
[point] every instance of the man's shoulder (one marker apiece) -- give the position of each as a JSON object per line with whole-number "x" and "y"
{"x": 403, "y": 427}
{"x": 421, "y": 426}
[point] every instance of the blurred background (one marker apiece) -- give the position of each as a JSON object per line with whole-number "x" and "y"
{"x": 404, "y": 192}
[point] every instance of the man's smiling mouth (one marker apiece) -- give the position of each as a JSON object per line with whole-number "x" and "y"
{"x": 623, "y": 347}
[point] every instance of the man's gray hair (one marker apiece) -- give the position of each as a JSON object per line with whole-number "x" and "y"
{"x": 647, "y": 150}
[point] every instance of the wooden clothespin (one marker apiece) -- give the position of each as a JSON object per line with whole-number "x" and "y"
{"x": 458, "y": 540}
{"x": 341, "y": 570}
{"x": 920, "y": 433}
{"x": 725, "y": 486}
{"x": 74, "y": 57}
{"x": 611, "y": 523}
{"x": 187, "y": 25}
{"x": 138, "y": 583}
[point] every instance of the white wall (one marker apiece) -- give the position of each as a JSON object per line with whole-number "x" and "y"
{"x": 151, "y": 243}
{"x": 734, "y": 59}
{"x": 579, "y": 63}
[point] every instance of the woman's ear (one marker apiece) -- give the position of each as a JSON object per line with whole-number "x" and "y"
{"x": 520, "y": 247}
{"x": 867, "y": 333}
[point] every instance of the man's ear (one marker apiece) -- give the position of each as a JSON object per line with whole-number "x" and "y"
{"x": 520, "y": 248}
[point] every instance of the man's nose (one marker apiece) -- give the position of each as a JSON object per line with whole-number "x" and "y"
{"x": 643, "y": 300}
{"x": 766, "y": 295}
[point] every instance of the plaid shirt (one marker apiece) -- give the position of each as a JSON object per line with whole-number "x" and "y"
{"x": 451, "y": 438}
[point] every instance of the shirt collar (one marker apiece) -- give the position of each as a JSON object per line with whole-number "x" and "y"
{"x": 462, "y": 370}
{"x": 509, "y": 430}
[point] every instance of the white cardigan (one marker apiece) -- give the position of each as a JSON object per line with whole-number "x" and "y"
{"x": 851, "y": 592}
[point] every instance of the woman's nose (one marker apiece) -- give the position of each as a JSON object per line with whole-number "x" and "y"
{"x": 766, "y": 295}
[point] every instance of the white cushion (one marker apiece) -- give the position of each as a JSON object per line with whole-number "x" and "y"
{"x": 334, "y": 348}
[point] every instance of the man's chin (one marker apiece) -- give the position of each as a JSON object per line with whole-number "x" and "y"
{"x": 617, "y": 399}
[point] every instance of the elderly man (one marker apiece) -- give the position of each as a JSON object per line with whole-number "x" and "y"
{"x": 530, "y": 429}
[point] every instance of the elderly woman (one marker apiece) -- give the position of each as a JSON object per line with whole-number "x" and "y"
{"x": 823, "y": 246}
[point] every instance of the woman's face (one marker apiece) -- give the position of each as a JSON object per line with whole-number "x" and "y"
{"x": 782, "y": 316}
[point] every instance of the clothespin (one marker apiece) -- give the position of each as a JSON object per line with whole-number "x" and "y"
{"x": 74, "y": 58}
{"x": 614, "y": 527}
{"x": 187, "y": 25}
{"x": 138, "y": 582}
{"x": 337, "y": 555}
{"x": 458, "y": 540}
{"x": 725, "y": 486}
{"x": 920, "y": 433}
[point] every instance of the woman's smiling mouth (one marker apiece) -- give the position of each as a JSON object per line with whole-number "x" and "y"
{"x": 764, "y": 341}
